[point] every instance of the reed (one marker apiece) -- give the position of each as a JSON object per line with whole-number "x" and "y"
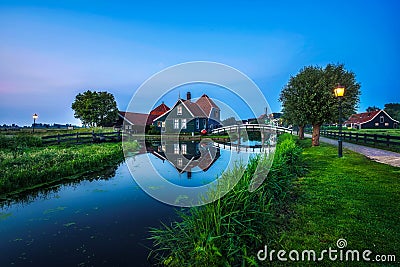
{"x": 227, "y": 232}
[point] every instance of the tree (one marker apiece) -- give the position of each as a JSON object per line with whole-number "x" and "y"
{"x": 229, "y": 121}
{"x": 308, "y": 97}
{"x": 373, "y": 108}
{"x": 393, "y": 109}
{"x": 95, "y": 108}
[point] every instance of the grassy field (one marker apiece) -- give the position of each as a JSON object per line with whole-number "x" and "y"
{"x": 351, "y": 197}
{"x": 25, "y": 163}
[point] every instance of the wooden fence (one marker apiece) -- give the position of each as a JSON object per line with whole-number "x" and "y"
{"x": 80, "y": 138}
{"x": 364, "y": 138}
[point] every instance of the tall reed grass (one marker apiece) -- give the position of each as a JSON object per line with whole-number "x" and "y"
{"x": 230, "y": 231}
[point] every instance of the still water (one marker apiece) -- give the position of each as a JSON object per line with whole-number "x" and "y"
{"x": 101, "y": 220}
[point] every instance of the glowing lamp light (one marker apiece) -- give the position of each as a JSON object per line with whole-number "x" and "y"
{"x": 339, "y": 91}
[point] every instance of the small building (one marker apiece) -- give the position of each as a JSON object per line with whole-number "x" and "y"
{"x": 135, "y": 122}
{"x": 378, "y": 119}
{"x": 189, "y": 117}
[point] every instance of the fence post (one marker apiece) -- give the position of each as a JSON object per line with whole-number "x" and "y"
{"x": 77, "y": 137}
{"x": 93, "y": 136}
{"x": 365, "y": 138}
{"x": 357, "y": 137}
{"x": 375, "y": 139}
{"x": 388, "y": 140}
{"x": 58, "y": 138}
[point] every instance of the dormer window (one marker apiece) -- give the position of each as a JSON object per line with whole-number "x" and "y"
{"x": 179, "y": 110}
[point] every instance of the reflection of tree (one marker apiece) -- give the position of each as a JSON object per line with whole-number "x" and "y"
{"x": 50, "y": 190}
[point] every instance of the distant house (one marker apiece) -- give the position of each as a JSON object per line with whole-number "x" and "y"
{"x": 371, "y": 120}
{"x": 139, "y": 122}
{"x": 189, "y": 117}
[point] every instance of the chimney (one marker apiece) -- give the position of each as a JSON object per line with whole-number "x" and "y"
{"x": 188, "y": 96}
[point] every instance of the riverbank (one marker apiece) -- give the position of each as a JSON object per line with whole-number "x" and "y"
{"x": 26, "y": 164}
{"x": 351, "y": 198}
{"x": 226, "y": 232}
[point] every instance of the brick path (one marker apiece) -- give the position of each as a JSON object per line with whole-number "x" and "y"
{"x": 379, "y": 155}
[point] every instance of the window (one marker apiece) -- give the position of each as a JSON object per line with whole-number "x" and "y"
{"x": 184, "y": 148}
{"x": 183, "y": 123}
{"x": 179, "y": 110}
{"x": 205, "y": 124}
{"x": 176, "y": 149}
{"x": 163, "y": 124}
{"x": 176, "y": 123}
{"x": 197, "y": 123}
{"x": 386, "y": 124}
{"x": 381, "y": 119}
{"x": 159, "y": 123}
{"x": 179, "y": 162}
{"x": 376, "y": 123}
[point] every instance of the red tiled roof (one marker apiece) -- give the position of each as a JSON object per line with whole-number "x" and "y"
{"x": 137, "y": 118}
{"x": 194, "y": 108}
{"x": 362, "y": 117}
{"x": 160, "y": 110}
{"x": 206, "y": 104}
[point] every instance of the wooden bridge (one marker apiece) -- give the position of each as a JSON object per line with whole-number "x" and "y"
{"x": 252, "y": 128}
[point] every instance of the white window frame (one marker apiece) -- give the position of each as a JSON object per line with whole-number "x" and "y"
{"x": 176, "y": 123}
{"x": 381, "y": 119}
{"x": 376, "y": 123}
{"x": 176, "y": 149}
{"x": 179, "y": 110}
{"x": 386, "y": 124}
{"x": 197, "y": 123}
{"x": 183, "y": 148}
{"x": 183, "y": 124}
{"x": 179, "y": 162}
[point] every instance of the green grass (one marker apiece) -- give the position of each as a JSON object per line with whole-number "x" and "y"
{"x": 351, "y": 197}
{"x": 226, "y": 231}
{"x": 34, "y": 166}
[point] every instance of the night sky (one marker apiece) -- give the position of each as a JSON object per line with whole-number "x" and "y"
{"x": 52, "y": 50}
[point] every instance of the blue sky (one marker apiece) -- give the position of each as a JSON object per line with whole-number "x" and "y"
{"x": 52, "y": 50}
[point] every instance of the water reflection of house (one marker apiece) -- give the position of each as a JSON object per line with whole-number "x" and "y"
{"x": 186, "y": 156}
{"x": 189, "y": 117}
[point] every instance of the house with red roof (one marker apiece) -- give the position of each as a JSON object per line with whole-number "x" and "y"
{"x": 187, "y": 116}
{"x": 139, "y": 122}
{"x": 371, "y": 120}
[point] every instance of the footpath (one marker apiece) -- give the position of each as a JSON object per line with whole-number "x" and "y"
{"x": 376, "y": 154}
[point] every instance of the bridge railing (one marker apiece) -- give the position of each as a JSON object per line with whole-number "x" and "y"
{"x": 252, "y": 127}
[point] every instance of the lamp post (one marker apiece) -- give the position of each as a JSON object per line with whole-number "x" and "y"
{"x": 339, "y": 93}
{"x": 34, "y": 116}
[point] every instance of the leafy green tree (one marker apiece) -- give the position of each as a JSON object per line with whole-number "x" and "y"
{"x": 373, "y": 108}
{"x": 393, "y": 109}
{"x": 229, "y": 121}
{"x": 308, "y": 97}
{"x": 95, "y": 108}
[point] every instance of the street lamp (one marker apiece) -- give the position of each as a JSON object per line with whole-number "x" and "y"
{"x": 339, "y": 93}
{"x": 34, "y": 116}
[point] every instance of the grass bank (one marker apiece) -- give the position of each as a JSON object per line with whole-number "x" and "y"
{"x": 25, "y": 164}
{"x": 226, "y": 232}
{"x": 351, "y": 197}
